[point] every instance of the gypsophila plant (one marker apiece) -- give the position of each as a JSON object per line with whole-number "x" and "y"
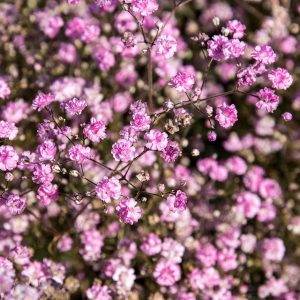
{"x": 149, "y": 149}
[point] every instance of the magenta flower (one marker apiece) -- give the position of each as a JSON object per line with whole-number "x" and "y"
{"x": 8, "y": 130}
{"x": 98, "y": 292}
{"x": 248, "y": 204}
{"x": 177, "y": 202}
{"x": 166, "y": 45}
{"x": 15, "y": 204}
{"x": 128, "y": 211}
{"x": 140, "y": 121}
{"x": 273, "y": 249}
{"x": 95, "y": 131}
{"x": 166, "y": 273}
{"x": 47, "y": 193}
{"x": 226, "y": 115}
{"x": 182, "y": 82}
{"x": 157, "y": 140}
{"x": 42, "y": 100}
{"x": 144, "y": 7}
{"x": 268, "y": 100}
{"x": 75, "y": 106}
{"x": 236, "y": 28}
{"x": 151, "y": 244}
{"x": 8, "y": 158}
{"x": 108, "y": 189}
{"x": 46, "y": 151}
{"x": 171, "y": 152}
{"x": 4, "y": 89}
{"x": 122, "y": 150}
{"x": 79, "y": 153}
{"x": 264, "y": 54}
{"x": 280, "y": 78}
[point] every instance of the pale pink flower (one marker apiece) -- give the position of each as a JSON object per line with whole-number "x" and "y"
{"x": 280, "y": 78}
{"x": 165, "y": 45}
{"x": 8, "y": 158}
{"x": 177, "y": 202}
{"x": 226, "y": 115}
{"x": 182, "y": 82}
{"x": 264, "y": 54}
{"x": 166, "y": 273}
{"x": 268, "y": 100}
{"x": 157, "y": 140}
{"x": 108, "y": 189}
{"x": 95, "y": 131}
{"x": 122, "y": 150}
{"x": 128, "y": 211}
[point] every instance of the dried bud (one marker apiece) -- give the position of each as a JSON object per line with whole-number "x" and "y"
{"x": 171, "y": 127}
{"x": 143, "y": 176}
{"x": 56, "y": 169}
{"x": 195, "y": 152}
{"x": 216, "y": 21}
{"x": 129, "y": 39}
{"x": 74, "y": 173}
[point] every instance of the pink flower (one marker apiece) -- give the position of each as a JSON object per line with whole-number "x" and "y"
{"x": 287, "y": 116}
{"x": 50, "y": 25}
{"x": 226, "y": 115}
{"x": 75, "y": 106}
{"x": 46, "y": 151}
{"x": 144, "y": 7}
{"x": 165, "y": 45}
{"x": 8, "y": 274}
{"x": 171, "y": 152}
{"x": 151, "y": 244}
{"x": 65, "y": 243}
{"x": 268, "y": 100}
{"x": 234, "y": 48}
{"x": 236, "y": 165}
{"x": 172, "y": 250}
{"x": 166, "y": 273}
{"x": 264, "y": 54}
{"x": 236, "y": 28}
{"x": 157, "y": 140}
{"x": 47, "y": 193}
{"x": 140, "y": 121}
{"x": 8, "y": 130}
{"x": 216, "y": 48}
{"x": 104, "y": 58}
{"x": 108, "y": 189}
{"x": 269, "y": 188}
{"x": 95, "y": 131}
{"x": 280, "y": 78}
{"x": 182, "y": 82}
{"x": 177, "y": 202}
{"x": 212, "y": 136}
{"x": 266, "y": 213}
{"x": 4, "y": 89}
{"x": 42, "y": 100}
{"x": 42, "y": 173}
{"x": 67, "y": 53}
{"x": 79, "y": 153}
{"x": 98, "y": 292}
{"x": 207, "y": 255}
{"x": 15, "y": 204}
{"x": 8, "y": 158}
{"x": 122, "y": 150}
{"x": 128, "y": 211}
{"x": 92, "y": 242}
{"x": 227, "y": 259}
{"x": 248, "y": 204}
{"x": 273, "y": 249}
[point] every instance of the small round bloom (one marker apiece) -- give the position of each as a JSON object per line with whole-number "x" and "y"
{"x": 42, "y": 173}
{"x": 128, "y": 211}
{"x": 273, "y": 249}
{"x": 226, "y": 115}
{"x": 234, "y": 48}
{"x": 4, "y": 89}
{"x": 166, "y": 273}
{"x": 65, "y": 243}
{"x": 172, "y": 250}
{"x": 144, "y": 7}
{"x": 171, "y": 152}
{"x": 287, "y": 116}
{"x": 42, "y": 100}
{"x": 151, "y": 244}
{"x": 212, "y": 136}
{"x": 108, "y": 189}
{"x": 248, "y": 204}
{"x": 280, "y": 78}
{"x": 165, "y": 45}
{"x": 46, "y": 151}
{"x": 8, "y": 130}
{"x": 236, "y": 28}
{"x": 20, "y": 254}
{"x": 47, "y": 193}
{"x": 15, "y": 204}
{"x": 207, "y": 255}
{"x": 99, "y": 292}
{"x": 95, "y": 131}
{"x": 157, "y": 140}
{"x": 182, "y": 82}
{"x": 268, "y": 100}
{"x": 269, "y": 188}
{"x": 123, "y": 150}
{"x": 140, "y": 121}
{"x": 79, "y": 153}
{"x": 8, "y": 158}
{"x": 75, "y": 106}
{"x": 216, "y": 46}
{"x": 264, "y": 54}
{"x": 177, "y": 202}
